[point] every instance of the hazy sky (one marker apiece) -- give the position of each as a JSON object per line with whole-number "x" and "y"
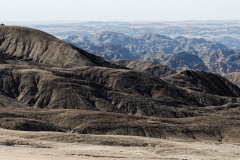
{"x": 119, "y": 10}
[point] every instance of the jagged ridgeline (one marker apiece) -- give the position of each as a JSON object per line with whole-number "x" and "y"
{"x": 40, "y": 71}
{"x": 179, "y": 53}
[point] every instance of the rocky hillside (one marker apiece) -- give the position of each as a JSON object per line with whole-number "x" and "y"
{"x": 86, "y": 85}
{"x": 29, "y": 44}
{"x": 97, "y": 88}
{"x": 38, "y": 71}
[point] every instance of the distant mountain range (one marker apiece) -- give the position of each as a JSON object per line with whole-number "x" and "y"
{"x": 179, "y": 53}
{"x": 226, "y": 32}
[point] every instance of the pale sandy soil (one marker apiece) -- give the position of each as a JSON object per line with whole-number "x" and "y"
{"x": 17, "y": 145}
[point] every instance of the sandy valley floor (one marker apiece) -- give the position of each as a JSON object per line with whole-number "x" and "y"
{"x": 19, "y": 145}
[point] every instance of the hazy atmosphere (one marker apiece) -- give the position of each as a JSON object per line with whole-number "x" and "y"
{"x": 118, "y": 10}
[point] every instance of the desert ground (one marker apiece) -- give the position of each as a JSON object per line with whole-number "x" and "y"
{"x": 22, "y": 145}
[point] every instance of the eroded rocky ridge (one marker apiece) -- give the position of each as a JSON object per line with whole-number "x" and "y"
{"x": 38, "y": 71}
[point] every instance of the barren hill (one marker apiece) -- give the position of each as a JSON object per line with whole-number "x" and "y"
{"x": 30, "y": 44}
{"x": 97, "y": 88}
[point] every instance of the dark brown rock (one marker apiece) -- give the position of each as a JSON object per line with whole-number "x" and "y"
{"x": 205, "y": 82}
{"x": 34, "y": 45}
